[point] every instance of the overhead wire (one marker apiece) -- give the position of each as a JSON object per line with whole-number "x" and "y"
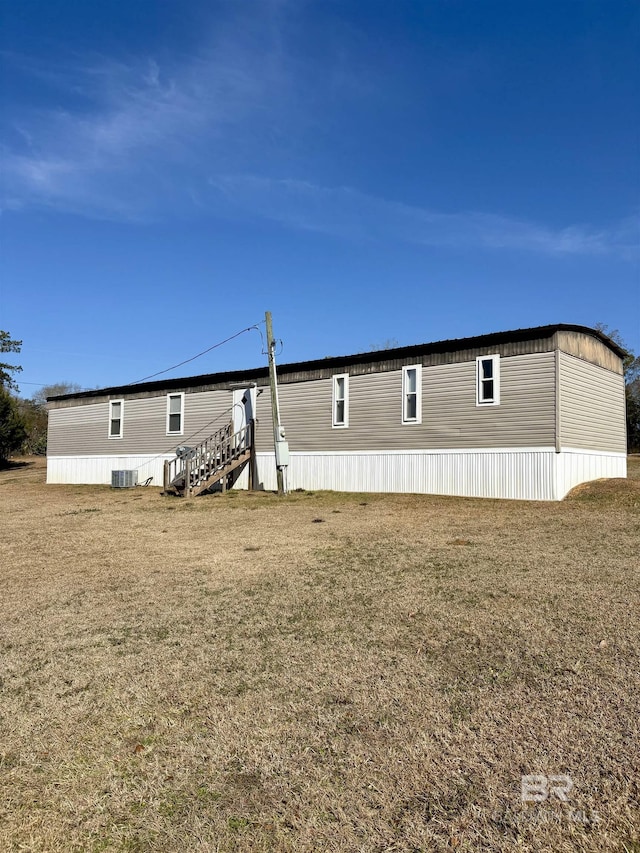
{"x": 200, "y": 354}
{"x": 255, "y": 326}
{"x": 193, "y": 358}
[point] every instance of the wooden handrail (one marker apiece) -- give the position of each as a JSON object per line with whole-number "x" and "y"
{"x": 191, "y": 469}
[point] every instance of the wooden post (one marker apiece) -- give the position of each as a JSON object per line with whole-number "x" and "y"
{"x": 187, "y": 476}
{"x": 273, "y": 381}
{"x": 166, "y": 476}
{"x": 252, "y": 454}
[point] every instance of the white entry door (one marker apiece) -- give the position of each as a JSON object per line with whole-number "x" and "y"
{"x": 244, "y": 407}
{"x": 243, "y": 411}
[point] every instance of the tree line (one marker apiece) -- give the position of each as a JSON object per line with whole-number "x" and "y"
{"x": 23, "y": 422}
{"x": 631, "y": 368}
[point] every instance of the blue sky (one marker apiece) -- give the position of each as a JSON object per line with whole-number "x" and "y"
{"x": 370, "y": 172}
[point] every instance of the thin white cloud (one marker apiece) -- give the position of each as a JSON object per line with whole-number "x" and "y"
{"x": 136, "y": 140}
{"x": 349, "y": 214}
{"x": 136, "y": 130}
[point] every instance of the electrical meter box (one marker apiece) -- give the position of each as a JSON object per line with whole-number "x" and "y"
{"x": 282, "y": 453}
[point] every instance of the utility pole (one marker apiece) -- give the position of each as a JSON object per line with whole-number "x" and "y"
{"x": 281, "y": 447}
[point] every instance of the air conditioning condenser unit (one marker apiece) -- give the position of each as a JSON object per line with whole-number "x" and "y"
{"x": 124, "y": 479}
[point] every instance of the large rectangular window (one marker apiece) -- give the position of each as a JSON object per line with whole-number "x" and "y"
{"x": 341, "y": 400}
{"x": 175, "y": 413}
{"x": 412, "y": 394}
{"x": 116, "y": 418}
{"x": 488, "y": 380}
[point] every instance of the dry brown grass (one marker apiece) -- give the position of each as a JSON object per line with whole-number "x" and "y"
{"x": 230, "y": 674}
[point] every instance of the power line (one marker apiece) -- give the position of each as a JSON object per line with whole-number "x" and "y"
{"x": 204, "y": 352}
{"x": 256, "y": 326}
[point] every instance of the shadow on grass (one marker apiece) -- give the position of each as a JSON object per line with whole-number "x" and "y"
{"x": 10, "y": 465}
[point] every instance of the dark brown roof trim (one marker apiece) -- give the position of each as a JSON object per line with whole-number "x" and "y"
{"x": 336, "y": 362}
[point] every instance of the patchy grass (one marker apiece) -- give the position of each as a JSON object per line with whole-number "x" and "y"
{"x": 229, "y": 674}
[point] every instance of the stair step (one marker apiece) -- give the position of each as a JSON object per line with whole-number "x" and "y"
{"x": 209, "y": 462}
{"x": 220, "y": 474}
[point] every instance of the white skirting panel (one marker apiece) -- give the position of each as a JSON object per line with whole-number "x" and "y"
{"x": 538, "y": 474}
{"x": 97, "y": 469}
{"x": 525, "y": 474}
{"x": 576, "y": 466}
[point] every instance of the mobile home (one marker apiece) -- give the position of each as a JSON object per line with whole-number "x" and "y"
{"x": 524, "y": 414}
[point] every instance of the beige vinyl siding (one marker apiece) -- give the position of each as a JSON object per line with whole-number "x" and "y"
{"x": 83, "y": 430}
{"x": 592, "y": 406}
{"x": 450, "y": 417}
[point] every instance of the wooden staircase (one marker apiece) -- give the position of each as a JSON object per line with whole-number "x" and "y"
{"x": 220, "y": 458}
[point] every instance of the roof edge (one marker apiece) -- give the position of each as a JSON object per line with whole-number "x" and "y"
{"x": 453, "y": 344}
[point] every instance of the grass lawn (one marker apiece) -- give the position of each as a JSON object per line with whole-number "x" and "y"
{"x": 322, "y": 672}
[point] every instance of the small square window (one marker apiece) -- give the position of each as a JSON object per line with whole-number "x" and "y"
{"x": 488, "y": 380}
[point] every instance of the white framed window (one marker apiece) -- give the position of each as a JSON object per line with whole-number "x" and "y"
{"x": 488, "y": 380}
{"x": 412, "y": 394}
{"x": 175, "y": 413}
{"x": 340, "y": 405}
{"x": 116, "y": 418}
